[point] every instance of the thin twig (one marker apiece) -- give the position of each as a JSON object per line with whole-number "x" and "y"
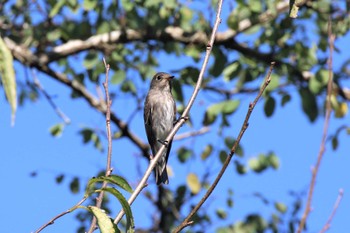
{"x": 201, "y": 131}
{"x": 187, "y": 220}
{"x": 325, "y": 131}
{"x": 61, "y": 214}
{"x": 109, "y": 152}
{"x": 49, "y": 99}
{"x": 183, "y": 117}
{"x": 335, "y": 207}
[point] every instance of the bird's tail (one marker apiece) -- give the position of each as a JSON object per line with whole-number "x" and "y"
{"x": 161, "y": 173}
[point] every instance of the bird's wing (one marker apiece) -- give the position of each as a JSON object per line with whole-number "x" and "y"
{"x": 148, "y": 125}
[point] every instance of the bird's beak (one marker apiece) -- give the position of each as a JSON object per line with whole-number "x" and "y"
{"x": 170, "y": 78}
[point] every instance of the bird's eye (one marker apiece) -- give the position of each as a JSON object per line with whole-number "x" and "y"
{"x": 159, "y": 78}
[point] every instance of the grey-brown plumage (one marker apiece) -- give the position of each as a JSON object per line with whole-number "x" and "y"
{"x": 159, "y": 116}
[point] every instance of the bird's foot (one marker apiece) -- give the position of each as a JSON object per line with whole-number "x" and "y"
{"x": 163, "y": 142}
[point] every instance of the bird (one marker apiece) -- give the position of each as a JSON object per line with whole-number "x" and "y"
{"x": 159, "y": 118}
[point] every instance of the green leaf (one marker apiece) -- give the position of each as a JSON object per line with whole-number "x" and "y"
{"x": 280, "y": 207}
{"x": 127, "y": 5}
{"x": 255, "y": 5}
{"x": 273, "y": 160}
{"x": 189, "y": 75}
{"x": 90, "y": 135}
{"x": 309, "y": 103}
{"x": 104, "y": 27}
{"x": 91, "y": 60}
{"x": 335, "y": 143}
{"x": 219, "y": 63}
{"x": 221, "y": 213}
{"x": 226, "y": 107}
{"x": 8, "y": 78}
{"x": 193, "y": 51}
{"x": 56, "y": 8}
{"x": 230, "y": 71}
{"x": 269, "y": 106}
{"x": 319, "y": 82}
{"x": 254, "y": 164}
{"x": 259, "y": 164}
{"x": 229, "y": 142}
{"x": 177, "y": 90}
{"x": 186, "y": 17}
{"x": 59, "y": 179}
{"x": 285, "y": 99}
{"x": 184, "y": 154}
{"x": 53, "y": 35}
{"x": 89, "y": 4}
{"x": 104, "y": 222}
{"x": 229, "y": 202}
{"x": 222, "y": 156}
{"x": 348, "y": 131}
{"x": 87, "y": 134}
{"x": 241, "y": 169}
{"x": 113, "y": 179}
{"x": 274, "y": 83}
{"x": 262, "y": 162}
{"x": 314, "y": 86}
{"x": 128, "y": 86}
{"x": 193, "y": 183}
{"x": 130, "y": 224}
{"x": 57, "y": 130}
{"x": 74, "y": 185}
{"x": 206, "y": 152}
{"x": 118, "y": 77}
{"x": 236, "y": 16}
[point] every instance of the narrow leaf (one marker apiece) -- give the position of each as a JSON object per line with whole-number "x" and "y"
{"x": 130, "y": 224}
{"x": 113, "y": 179}
{"x": 104, "y": 222}
{"x": 8, "y": 77}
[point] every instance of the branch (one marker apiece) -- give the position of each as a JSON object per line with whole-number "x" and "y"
{"x": 182, "y": 136}
{"x": 109, "y": 152}
{"x": 168, "y": 34}
{"x": 52, "y": 221}
{"x": 25, "y": 56}
{"x": 183, "y": 117}
{"x": 49, "y": 99}
{"x": 325, "y": 131}
{"x": 235, "y": 90}
{"x": 335, "y": 207}
{"x": 187, "y": 220}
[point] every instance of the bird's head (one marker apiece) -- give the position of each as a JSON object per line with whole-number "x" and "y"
{"x": 161, "y": 81}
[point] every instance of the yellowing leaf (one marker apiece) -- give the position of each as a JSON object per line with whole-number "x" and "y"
{"x": 341, "y": 110}
{"x": 8, "y": 77}
{"x": 193, "y": 183}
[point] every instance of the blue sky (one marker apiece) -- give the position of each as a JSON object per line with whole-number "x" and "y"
{"x": 29, "y": 202}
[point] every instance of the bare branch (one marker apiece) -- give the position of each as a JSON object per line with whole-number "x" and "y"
{"x": 109, "y": 152}
{"x": 325, "y": 131}
{"x": 52, "y": 221}
{"x": 182, "y": 136}
{"x": 49, "y": 99}
{"x": 183, "y": 117}
{"x": 335, "y": 207}
{"x": 187, "y": 221}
